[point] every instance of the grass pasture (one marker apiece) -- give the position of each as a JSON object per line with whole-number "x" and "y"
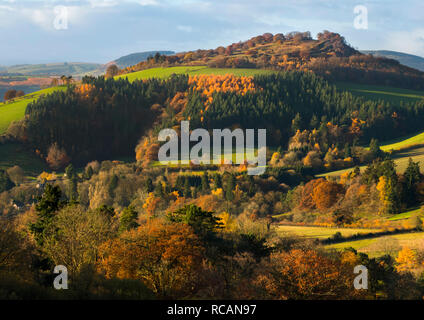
{"x": 319, "y": 232}
{"x": 401, "y": 160}
{"x": 163, "y": 73}
{"x": 391, "y": 244}
{"x": 404, "y": 143}
{"x": 16, "y": 155}
{"x": 390, "y": 94}
{"x": 404, "y": 215}
{"x": 15, "y": 110}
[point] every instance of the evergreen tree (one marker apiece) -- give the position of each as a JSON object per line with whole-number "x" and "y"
{"x": 107, "y": 211}
{"x": 113, "y": 183}
{"x": 5, "y": 182}
{"x": 187, "y": 189}
{"x": 72, "y": 184}
{"x": 203, "y": 222}
{"x": 148, "y": 185}
{"x": 89, "y": 173}
{"x": 229, "y": 187}
{"x": 314, "y": 124}
{"x": 205, "y": 183}
{"x": 412, "y": 176}
{"x": 128, "y": 219}
{"x": 375, "y": 149}
{"x": 46, "y": 207}
{"x": 70, "y": 172}
{"x": 217, "y": 181}
{"x": 159, "y": 190}
{"x": 297, "y": 123}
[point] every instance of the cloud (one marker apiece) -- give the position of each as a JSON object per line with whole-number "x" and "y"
{"x": 185, "y": 28}
{"x": 407, "y": 41}
{"x": 105, "y": 29}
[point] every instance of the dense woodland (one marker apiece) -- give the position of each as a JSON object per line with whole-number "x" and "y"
{"x": 128, "y": 228}
{"x": 302, "y": 113}
{"x": 127, "y": 232}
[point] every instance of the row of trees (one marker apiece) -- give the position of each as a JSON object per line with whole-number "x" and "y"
{"x": 187, "y": 253}
{"x": 104, "y": 118}
{"x": 12, "y": 94}
{"x": 97, "y": 120}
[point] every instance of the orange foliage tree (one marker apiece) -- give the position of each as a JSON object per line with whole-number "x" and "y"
{"x": 165, "y": 256}
{"x": 306, "y": 274}
{"x": 326, "y": 193}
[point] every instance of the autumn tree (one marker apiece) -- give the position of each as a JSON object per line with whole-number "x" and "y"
{"x": 57, "y": 157}
{"x": 16, "y": 174}
{"x": 112, "y": 71}
{"x": 15, "y": 252}
{"x": 74, "y": 235}
{"x": 307, "y": 274}
{"x": 406, "y": 260}
{"x": 326, "y": 193}
{"x": 10, "y": 94}
{"x": 165, "y": 256}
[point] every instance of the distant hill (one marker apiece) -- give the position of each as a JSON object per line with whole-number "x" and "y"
{"x": 52, "y": 69}
{"x": 406, "y": 59}
{"x": 137, "y": 57}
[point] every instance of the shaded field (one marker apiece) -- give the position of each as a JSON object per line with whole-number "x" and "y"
{"x": 319, "y": 232}
{"x": 404, "y": 142}
{"x": 390, "y": 94}
{"x": 391, "y": 244}
{"x": 404, "y": 215}
{"x": 17, "y": 155}
{"x": 163, "y": 73}
{"x": 13, "y": 111}
{"x": 401, "y": 160}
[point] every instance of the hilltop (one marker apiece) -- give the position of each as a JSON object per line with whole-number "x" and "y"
{"x": 329, "y": 55}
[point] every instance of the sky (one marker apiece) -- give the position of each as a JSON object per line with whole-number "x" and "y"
{"x": 42, "y": 31}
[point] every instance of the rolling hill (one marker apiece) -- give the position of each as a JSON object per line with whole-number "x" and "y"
{"x": 15, "y": 110}
{"x": 52, "y": 69}
{"x": 137, "y": 57}
{"x": 329, "y": 55}
{"x": 406, "y": 59}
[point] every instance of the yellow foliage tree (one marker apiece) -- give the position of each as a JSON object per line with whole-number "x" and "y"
{"x": 406, "y": 260}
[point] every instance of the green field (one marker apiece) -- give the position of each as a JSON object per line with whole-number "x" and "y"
{"x": 404, "y": 215}
{"x": 319, "y": 232}
{"x": 401, "y": 160}
{"x": 390, "y": 94}
{"x": 15, "y": 110}
{"x": 383, "y": 245}
{"x": 16, "y": 155}
{"x": 404, "y": 142}
{"x": 163, "y": 73}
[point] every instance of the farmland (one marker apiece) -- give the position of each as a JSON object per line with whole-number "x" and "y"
{"x": 13, "y": 111}
{"x": 390, "y": 94}
{"x": 319, "y": 232}
{"x": 163, "y": 73}
{"x": 391, "y": 244}
{"x": 17, "y": 155}
{"x": 401, "y": 160}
